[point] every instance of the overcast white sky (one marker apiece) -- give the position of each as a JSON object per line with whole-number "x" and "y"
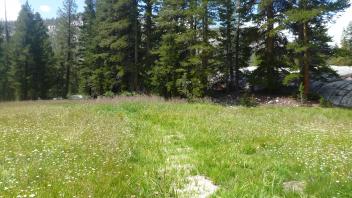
{"x": 336, "y": 27}
{"x": 13, "y": 7}
{"x": 48, "y": 9}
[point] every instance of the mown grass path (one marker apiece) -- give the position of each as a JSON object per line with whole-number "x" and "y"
{"x": 158, "y": 149}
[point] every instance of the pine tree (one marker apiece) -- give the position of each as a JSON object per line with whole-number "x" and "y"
{"x": 3, "y": 73}
{"x": 149, "y": 28}
{"x": 6, "y": 92}
{"x": 346, "y": 42}
{"x": 244, "y": 36}
{"x": 171, "y": 22}
{"x": 67, "y": 45}
{"x": 235, "y": 38}
{"x": 87, "y": 46}
{"x": 43, "y": 59}
{"x": 31, "y": 56}
{"x": 185, "y": 54}
{"x": 271, "y": 47}
{"x": 199, "y": 57}
{"x": 150, "y": 40}
{"x": 118, "y": 46}
{"x": 206, "y": 50}
{"x": 307, "y": 20}
{"x": 227, "y": 29}
{"x": 1, "y": 40}
{"x": 135, "y": 83}
{"x": 22, "y": 57}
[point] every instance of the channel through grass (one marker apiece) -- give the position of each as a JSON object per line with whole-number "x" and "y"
{"x": 117, "y": 149}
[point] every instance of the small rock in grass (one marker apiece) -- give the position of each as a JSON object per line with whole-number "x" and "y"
{"x": 294, "y": 186}
{"x": 197, "y": 187}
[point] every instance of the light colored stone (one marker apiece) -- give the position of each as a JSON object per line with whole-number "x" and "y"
{"x": 294, "y": 186}
{"x": 338, "y": 92}
{"x": 197, "y": 187}
{"x": 179, "y": 164}
{"x": 76, "y": 97}
{"x": 342, "y": 70}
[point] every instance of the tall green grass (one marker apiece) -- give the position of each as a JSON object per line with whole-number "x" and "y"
{"x": 117, "y": 149}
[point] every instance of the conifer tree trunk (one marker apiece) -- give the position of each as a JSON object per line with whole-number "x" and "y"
{"x": 306, "y": 59}
{"x": 205, "y": 58}
{"x": 25, "y": 81}
{"x": 270, "y": 44}
{"x": 68, "y": 71}
{"x": 7, "y": 95}
{"x": 68, "y": 57}
{"x": 67, "y": 39}
{"x": 237, "y": 43}
{"x": 269, "y": 38}
{"x": 229, "y": 48}
{"x": 148, "y": 28}
{"x": 134, "y": 47}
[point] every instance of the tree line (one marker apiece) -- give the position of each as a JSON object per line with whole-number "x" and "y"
{"x": 175, "y": 48}
{"x": 343, "y": 55}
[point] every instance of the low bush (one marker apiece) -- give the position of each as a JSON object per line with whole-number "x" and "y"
{"x": 325, "y": 103}
{"x": 247, "y": 100}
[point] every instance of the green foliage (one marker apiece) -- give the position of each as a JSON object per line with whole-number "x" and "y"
{"x": 249, "y": 149}
{"x": 3, "y": 73}
{"x": 128, "y": 94}
{"x": 340, "y": 60}
{"x": 290, "y": 78}
{"x": 130, "y": 149}
{"x": 117, "y": 49}
{"x": 171, "y": 47}
{"x": 31, "y": 71}
{"x": 1, "y": 41}
{"x": 247, "y": 100}
{"x": 342, "y": 56}
{"x": 301, "y": 95}
{"x": 346, "y": 41}
{"x": 271, "y": 51}
{"x": 109, "y": 94}
{"x": 307, "y": 20}
{"x": 235, "y": 49}
{"x": 185, "y": 53}
{"x": 325, "y": 103}
{"x": 313, "y": 96}
{"x": 6, "y": 90}
{"x": 66, "y": 53}
{"x": 150, "y": 41}
{"x": 86, "y": 50}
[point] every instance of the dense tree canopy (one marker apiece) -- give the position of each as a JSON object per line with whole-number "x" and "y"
{"x": 31, "y": 56}
{"x": 2, "y": 69}
{"x": 67, "y": 31}
{"x": 307, "y": 20}
{"x": 175, "y": 48}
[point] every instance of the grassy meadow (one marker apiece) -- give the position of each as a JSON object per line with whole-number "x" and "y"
{"x": 147, "y": 147}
